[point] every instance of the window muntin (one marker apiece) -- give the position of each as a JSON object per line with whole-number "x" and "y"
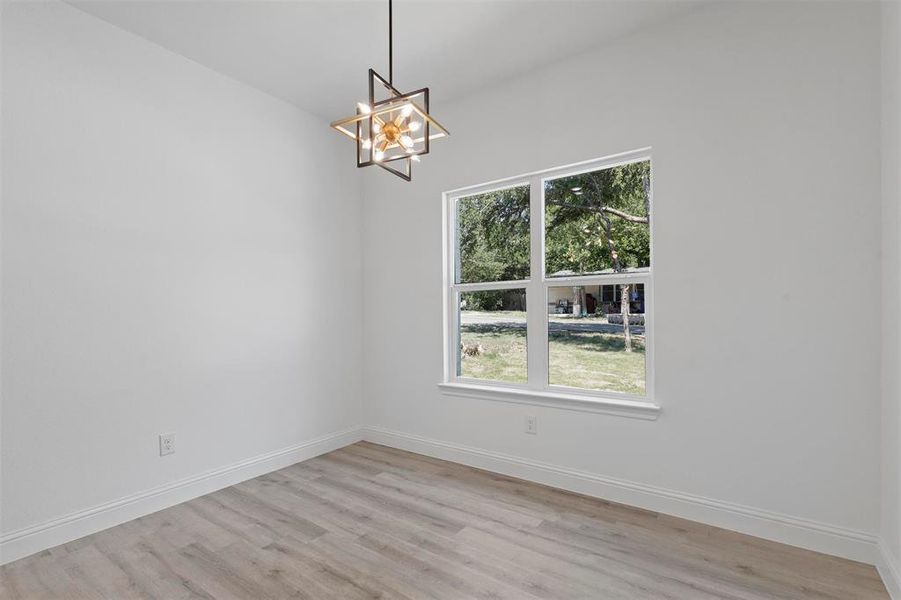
{"x": 601, "y": 286}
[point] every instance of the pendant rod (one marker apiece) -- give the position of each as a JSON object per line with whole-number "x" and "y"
{"x": 390, "y": 43}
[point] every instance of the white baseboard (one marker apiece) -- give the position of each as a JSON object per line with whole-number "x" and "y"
{"x": 888, "y": 567}
{"x": 804, "y": 533}
{"x": 795, "y": 531}
{"x": 27, "y": 541}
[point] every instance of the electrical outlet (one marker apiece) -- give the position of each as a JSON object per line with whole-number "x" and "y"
{"x": 532, "y": 424}
{"x": 167, "y": 444}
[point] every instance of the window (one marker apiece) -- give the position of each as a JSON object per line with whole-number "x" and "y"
{"x": 549, "y": 285}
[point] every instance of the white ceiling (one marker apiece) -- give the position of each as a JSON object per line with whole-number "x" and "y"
{"x": 315, "y": 54}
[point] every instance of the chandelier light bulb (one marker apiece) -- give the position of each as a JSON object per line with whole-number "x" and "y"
{"x": 364, "y": 108}
{"x": 414, "y": 125}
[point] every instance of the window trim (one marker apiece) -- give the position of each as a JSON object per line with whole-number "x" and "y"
{"x": 538, "y": 390}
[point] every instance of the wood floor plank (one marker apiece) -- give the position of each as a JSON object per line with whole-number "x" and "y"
{"x": 369, "y": 521}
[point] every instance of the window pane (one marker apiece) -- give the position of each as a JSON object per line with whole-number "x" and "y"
{"x": 492, "y": 335}
{"x": 493, "y": 236}
{"x": 607, "y": 294}
{"x": 588, "y": 347}
{"x": 598, "y": 222}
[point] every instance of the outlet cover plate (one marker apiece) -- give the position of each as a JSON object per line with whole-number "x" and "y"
{"x": 167, "y": 444}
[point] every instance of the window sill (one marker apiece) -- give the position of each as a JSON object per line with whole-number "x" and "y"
{"x": 592, "y": 404}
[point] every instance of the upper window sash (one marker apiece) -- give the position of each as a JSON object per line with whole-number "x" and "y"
{"x": 537, "y": 182}
{"x": 598, "y": 220}
{"x": 509, "y": 206}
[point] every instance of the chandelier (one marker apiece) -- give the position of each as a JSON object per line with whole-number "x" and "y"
{"x": 393, "y": 129}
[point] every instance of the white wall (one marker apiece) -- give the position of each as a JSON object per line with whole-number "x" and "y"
{"x": 163, "y": 227}
{"x": 164, "y": 230}
{"x": 890, "y": 526}
{"x": 764, "y": 122}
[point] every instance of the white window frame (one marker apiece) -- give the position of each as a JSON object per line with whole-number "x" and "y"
{"x": 538, "y": 390}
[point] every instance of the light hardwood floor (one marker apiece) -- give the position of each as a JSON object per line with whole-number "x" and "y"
{"x": 368, "y": 521}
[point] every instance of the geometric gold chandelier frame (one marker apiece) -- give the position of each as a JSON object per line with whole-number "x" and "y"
{"x": 394, "y": 129}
